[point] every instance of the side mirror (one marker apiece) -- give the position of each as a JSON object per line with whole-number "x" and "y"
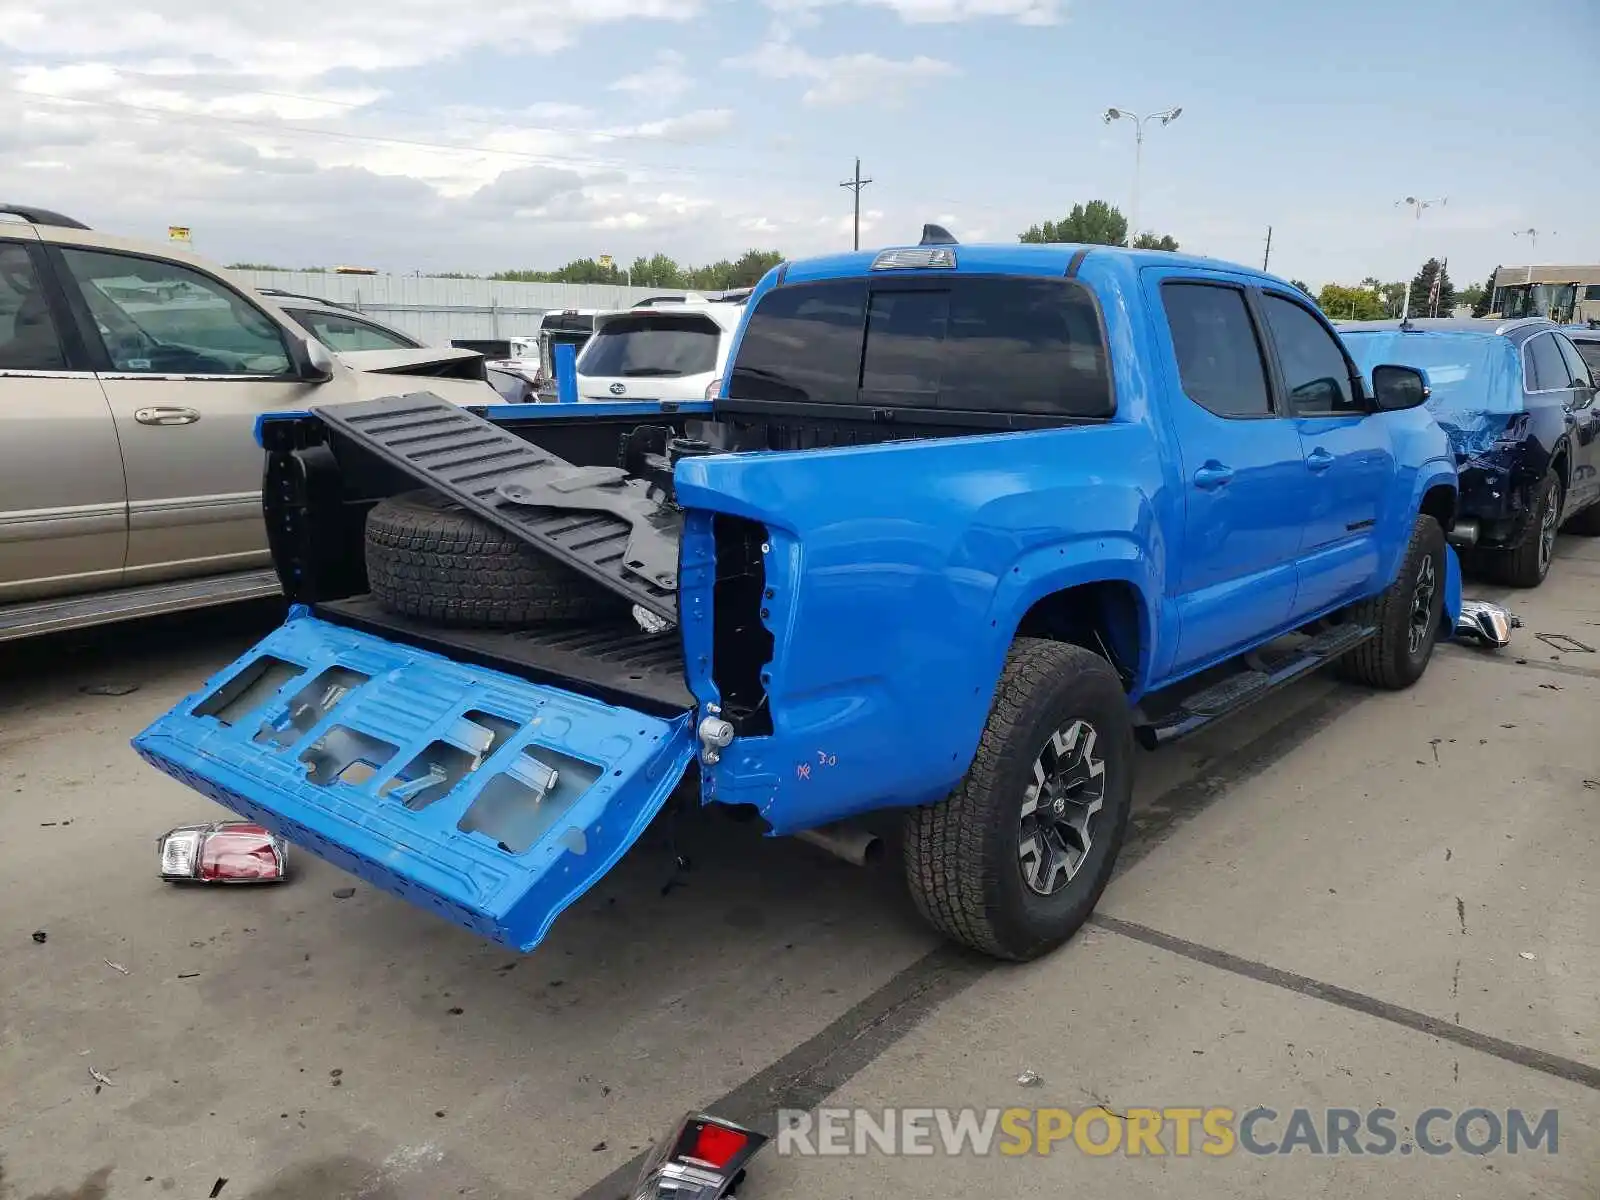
{"x": 313, "y": 362}
{"x": 1395, "y": 389}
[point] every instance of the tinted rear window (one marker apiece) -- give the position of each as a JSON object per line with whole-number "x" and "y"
{"x": 1591, "y": 355}
{"x": 571, "y": 323}
{"x": 966, "y": 344}
{"x": 658, "y": 347}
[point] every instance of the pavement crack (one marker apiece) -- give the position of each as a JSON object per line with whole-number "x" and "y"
{"x": 1461, "y": 915}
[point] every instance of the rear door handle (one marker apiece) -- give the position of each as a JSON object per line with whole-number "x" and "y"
{"x": 1319, "y": 459}
{"x": 165, "y": 416}
{"x": 1212, "y": 475}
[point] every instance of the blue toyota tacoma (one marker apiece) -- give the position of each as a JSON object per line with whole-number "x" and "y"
{"x": 964, "y": 527}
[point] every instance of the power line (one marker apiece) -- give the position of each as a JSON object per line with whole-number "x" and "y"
{"x": 855, "y": 185}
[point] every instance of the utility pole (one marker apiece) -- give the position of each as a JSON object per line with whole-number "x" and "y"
{"x": 855, "y": 185}
{"x": 1267, "y": 257}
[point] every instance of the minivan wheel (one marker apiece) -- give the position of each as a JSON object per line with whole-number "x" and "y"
{"x": 1014, "y": 860}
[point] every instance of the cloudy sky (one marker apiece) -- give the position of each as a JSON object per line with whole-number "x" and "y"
{"x": 482, "y": 134}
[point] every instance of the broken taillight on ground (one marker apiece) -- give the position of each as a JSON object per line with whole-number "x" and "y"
{"x": 223, "y": 852}
{"x": 701, "y": 1158}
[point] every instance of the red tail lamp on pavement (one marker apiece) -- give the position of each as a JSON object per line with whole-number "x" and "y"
{"x": 701, "y": 1158}
{"x": 223, "y": 852}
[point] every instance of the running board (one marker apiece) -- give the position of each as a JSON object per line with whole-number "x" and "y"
{"x": 1250, "y": 684}
{"x": 35, "y": 617}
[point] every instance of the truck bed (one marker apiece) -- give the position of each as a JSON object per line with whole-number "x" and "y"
{"x": 613, "y": 661}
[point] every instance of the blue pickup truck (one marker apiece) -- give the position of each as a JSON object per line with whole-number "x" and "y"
{"x": 965, "y": 526}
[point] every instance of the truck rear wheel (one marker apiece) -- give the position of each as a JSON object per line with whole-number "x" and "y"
{"x": 1014, "y": 860}
{"x": 427, "y": 557}
{"x": 1406, "y": 613}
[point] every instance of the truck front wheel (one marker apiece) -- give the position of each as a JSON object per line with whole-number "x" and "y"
{"x": 1406, "y": 616}
{"x": 1014, "y": 860}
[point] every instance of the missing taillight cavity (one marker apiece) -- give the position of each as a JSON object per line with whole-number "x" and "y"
{"x": 248, "y": 690}
{"x": 743, "y": 643}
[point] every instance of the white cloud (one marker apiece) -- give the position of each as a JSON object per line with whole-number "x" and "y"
{"x": 664, "y": 81}
{"x": 304, "y": 39}
{"x": 845, "y": 78}
{"x": 928, "y": 12}
{"x": 698, "y": 126}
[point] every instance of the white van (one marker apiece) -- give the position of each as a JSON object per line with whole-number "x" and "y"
{"x": 670, "y": 352}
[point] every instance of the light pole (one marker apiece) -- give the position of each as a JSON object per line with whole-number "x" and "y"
{"x": 1533, "y": 236}
{"x": 1417, "y": 206}
{"x": 1166, "y": 117}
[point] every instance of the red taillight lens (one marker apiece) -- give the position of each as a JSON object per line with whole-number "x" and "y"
{"x": 240, "y": 852}
{"x": 717, "y": 1145}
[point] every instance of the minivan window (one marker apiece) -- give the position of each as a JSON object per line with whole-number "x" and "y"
{"x": 1026, "y": 346}
{"x": 28, "y": 340}
{"x": 162, "y": 318}
{"x": 653, "y": 346}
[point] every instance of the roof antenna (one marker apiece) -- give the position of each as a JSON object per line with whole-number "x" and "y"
{"x": 937, "y": 235}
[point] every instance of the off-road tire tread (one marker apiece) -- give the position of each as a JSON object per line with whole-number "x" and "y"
{"x": 431, "y": 559}
{"x": 1380, "y": 661}
{"x": 947, "y": 857}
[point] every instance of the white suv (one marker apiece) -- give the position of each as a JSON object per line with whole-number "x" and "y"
{"x": 667, "y": 352}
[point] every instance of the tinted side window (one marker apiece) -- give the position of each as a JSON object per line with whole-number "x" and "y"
{"x": 28, "y": 340}
{"x": 1545, "y": 368}
{"x": 1590, "y": 353}
{"x": 1025, "y": 346}
{"x": 1219, "y": 358}
{"x": 802, "y": 345}
{"x": 1576, "y": 367}
{"x": 164, "y": 318}
{"x": 1314, "y": 368}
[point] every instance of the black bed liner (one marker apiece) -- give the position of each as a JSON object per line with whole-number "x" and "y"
{"x": 597, "y": 520}
{"x": 613, "y": 661}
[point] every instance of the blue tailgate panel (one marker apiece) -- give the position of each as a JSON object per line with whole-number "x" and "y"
{"x": 490, "y": 800}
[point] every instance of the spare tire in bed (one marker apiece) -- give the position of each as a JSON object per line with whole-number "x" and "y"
{"x": 427, "y": 557}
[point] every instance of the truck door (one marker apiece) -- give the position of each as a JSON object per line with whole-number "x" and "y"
{"x": 1243, "y": 478}
{"x": 1347, "y": 457}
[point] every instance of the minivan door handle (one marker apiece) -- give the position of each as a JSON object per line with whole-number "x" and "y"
{"x": 1212, "y": 475}
{"x": 165, "y": 416}
{"x": 1319, "y": 459}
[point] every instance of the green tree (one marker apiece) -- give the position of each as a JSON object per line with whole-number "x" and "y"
{"x": 1301, "y": 284}
{"x": 657, "y": 271}
{"x": 1480, "y": 306}
{"x": 1094, "y": 224}
{"x": 1422, "y": 290}
{"x": 248, "y": 266}
{"x": 1149, "y": 241}
{"x": 1393, "y": 294}
{"x": 1350, "y": 303}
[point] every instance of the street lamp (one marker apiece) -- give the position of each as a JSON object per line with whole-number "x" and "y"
{"x": 1166, "y": 117}
{"x": 1417, "y": 206}
{"x": 1533, "y": 236}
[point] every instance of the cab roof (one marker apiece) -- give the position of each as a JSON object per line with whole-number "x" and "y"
{"x": 1010, "y": 258}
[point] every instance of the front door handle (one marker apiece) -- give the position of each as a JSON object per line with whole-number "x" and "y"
{"x": 1319, "y": 459}
{"x": 1212, "y": 475}
{"x": 165, "y": 416}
